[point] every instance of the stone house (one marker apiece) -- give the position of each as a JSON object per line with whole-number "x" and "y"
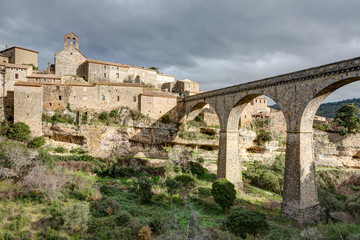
{"x": 20, "y": 55}
{"x": 156, "y": 104}
{"x": 185, "y": 87}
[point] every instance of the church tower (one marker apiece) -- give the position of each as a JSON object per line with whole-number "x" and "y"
{"x": 71, "y": 40}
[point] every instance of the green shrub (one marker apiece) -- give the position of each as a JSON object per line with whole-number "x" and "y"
{"x": 37, "y": 142}
{"x": 165, "y": 119}
{"x": 204, "y": 192}
{"x": 264, "y": 136}
{"x": 352, "y": 204}
{"x": 270, "y": 180}
{"x": 242, "y": 222}
{"x": 19, "y": 131}
{"x": 56, "y": 209}
{"x": 329, "y": 203}
{"x": 104, "y": 116}
{"x": 4, "y": 126}
{"x": 224, "y": 193}
{"x": 76, "y": 217}
{"x": 69, "y": 107}
{"x": 197, "y": 169}
{"x": 47, "y": 159}
{"x": 186, "y": 185}
{"x": 77, "y": 151}
{"x": 172, "y": 186}
{"x": 60, "y": 149}
{"x": 342, "y": 132}
{"x": 145, "y": 185}
{"x": 322, "y": 127}
{"x": 114, "y": 113}
{"x": 49, "y": 233}
{"x": 261, "y": 123}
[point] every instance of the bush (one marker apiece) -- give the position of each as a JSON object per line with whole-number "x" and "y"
{"x": 114, "y": 113}
{"x": 76, "y": 217}
{"x": 322, "y": 127}
{"x": 37, "y": 142}
{"x": 224, "y": 193}
{"x": 165, "y": 119}
{"x": 197, "y": 169}
{"x": 342, "y": 132}
{"x": 242, "y": 222}
{"x": 264, "y": 136}
{"x": 172, "y": 186}
{"x": 57, "y": 212}
{"x": 329, "y": 203}
{"x": 352, "y": 204}
{"x": 144, "y": 190}
{"x": 4, "y": 126}
{"x": 204, "y": 192}
{"x": 60, "y": 149}
{"x": 186, "y": 184}
{"x": 45, "y": 158}
{"x": 19, "y": 131}
{"x": 104, "y": 116}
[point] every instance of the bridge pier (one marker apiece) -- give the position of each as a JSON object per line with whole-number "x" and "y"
{"x": 229, "y": 163}
{"x": 300, "y": 199}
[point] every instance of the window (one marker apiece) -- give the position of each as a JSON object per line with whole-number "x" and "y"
{"x": 68, "y": 41}
{"x": 159, "y": 101}
{"x": 103, "y": 97}
{"x": 193, "y": 85}
{"x": 188, "y": 85}
{"x": 104, "y": 74}
{"x": 134, "y": 98}
{"x": 57, "y": 87}
{"x": 169, "y": 101}
{"x": 85, "y": 98}
{"x": 149, "y": 100}
{"x": 118, "y": 98}
{"x": 50, "y": 104}
{"x": 16, "y": 76}
{"x": 85, "y": 89}
{"x": 117, "y": 75}
{"x": 28, "y": 96}
{"x": 60, "y": 97}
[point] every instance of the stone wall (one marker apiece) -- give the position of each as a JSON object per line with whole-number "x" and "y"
{"x": 96, "y": 98}
{"x": 23, "y": 56}
{"x": 70, "y": 61}
{"x": 156, "y": 104}
{"x": 28, "y": 102}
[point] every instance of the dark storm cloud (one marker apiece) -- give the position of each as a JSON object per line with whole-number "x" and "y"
{"x": 217, "y": 43}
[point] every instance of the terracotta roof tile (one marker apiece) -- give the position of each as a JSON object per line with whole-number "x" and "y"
{"x": 19, "y": 48}
{"x": 50, "y": 76}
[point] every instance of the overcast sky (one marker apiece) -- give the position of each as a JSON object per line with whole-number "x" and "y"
{"x": 216, "y": 43}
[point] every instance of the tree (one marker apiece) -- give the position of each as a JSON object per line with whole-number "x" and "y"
{"x": 155, "y": 68}
{"x": 346, "y": 116}
{"x": 224, "y": 193}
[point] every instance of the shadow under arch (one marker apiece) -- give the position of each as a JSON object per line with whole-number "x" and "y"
{"x": 229, "y": 162}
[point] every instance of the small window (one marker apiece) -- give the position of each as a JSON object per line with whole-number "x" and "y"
{"x": 159, "y": 101}
{"x": 103, "y": 97}
{"x": 169, "y": 101}
{"x": 85, "y": 89}
{"x": 84, "y": 98}
{"x": 149, "y": 100}
{"x": 28, "y": 96}
{"x": 118, "y": 98}
{"x": 60, "y": 97}
{"x": 117, "y": 75}
{"x": 16, "y": 76}
{"x": 104, "y": 74}
{"x": 134, "y": 98}
{"x": 50, "y": 104}
{"x": 57, "y": 87}
{"x": 193, "y": 86}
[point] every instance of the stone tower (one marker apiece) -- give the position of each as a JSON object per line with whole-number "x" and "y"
{"x": 71, "y": 39}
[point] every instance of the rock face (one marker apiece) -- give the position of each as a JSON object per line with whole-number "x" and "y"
{"x": 334, "y": 150}
{"x": 331, "y": 149}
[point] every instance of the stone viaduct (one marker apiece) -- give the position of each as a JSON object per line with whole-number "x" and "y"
{"x": 298, "y": 94}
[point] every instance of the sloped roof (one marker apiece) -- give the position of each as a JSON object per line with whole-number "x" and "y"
{"x": 26, "y": 49}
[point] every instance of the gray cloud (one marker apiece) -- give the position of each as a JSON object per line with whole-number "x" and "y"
{"x": 216, "y": 43}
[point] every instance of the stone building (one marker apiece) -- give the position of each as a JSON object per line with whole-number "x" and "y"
{"x": 4, "y": 58}
{"x": 257, "y": 108}
{"x": 70, "y": 61}
{"x": 20, "y": 55}
{"x": 156, "y": 104}
{"x": 28, "y": 105}
{"x": 185, "y": 87}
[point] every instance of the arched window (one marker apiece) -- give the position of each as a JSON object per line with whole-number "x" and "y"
{"x": 73, "y": 41}
{"x": 68, "y": 41}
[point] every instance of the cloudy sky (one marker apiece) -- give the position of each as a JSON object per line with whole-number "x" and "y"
{"x": 216, "y": 43}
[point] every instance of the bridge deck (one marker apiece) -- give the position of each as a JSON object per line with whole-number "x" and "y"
{"x": 314, "y": 72}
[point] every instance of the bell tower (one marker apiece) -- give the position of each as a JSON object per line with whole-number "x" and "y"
{"x": 71, "y": 40}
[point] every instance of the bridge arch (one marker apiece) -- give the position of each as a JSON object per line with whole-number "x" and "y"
{"x": 229, "y": 162}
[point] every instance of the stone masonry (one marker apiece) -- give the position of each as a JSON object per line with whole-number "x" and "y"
{"x": 298, "y": 94}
